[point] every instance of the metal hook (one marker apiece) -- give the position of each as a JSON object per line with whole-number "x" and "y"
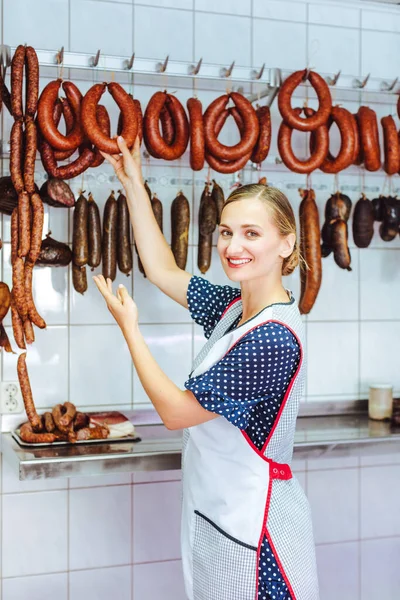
{"x": 307, "y": 73}
{"x": 5, "y": 59}
{"x": 129, "y": 63}
{"x": 360, "y": 84}
{"x": 333, "y": 80}
{"x": 388, "y": 87}
{"x": 94, "y": 60}
{"x": 60, "y": 56}
{"x": 227, "y": 72}
{"x": 162, "y": 67}
{"x": 194, "y": 69}
{"x": 257, "y": 74}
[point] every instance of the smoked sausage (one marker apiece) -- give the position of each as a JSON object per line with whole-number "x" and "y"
{"x": 32, "y": 82}
{"x": 26, "y": 392}
{"x": 180, "y": 221}
{"x": 94, "y": 233}
{"x": 17, "y": 77}
{"x": 369, "y": 137}
{"x": 80, "y": 248}
{"x": 109, "y": 242}
{"x": 311, "y": 273}
{"x": 363, "y": 222}
{"x": 30, "y": 156}
{"x": 261, "y": 149}
{"x": 344, "y": 120}
{"x": 155, "y": 143}
{"x": 124, "y": 249}
{"x": 16, "y": 150}
{"x": 197, "y": 144}
{"x": 391, "y": 145}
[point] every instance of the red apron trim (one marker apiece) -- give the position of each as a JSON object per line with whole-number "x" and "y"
{"x": 229, "y": 305}
{"x": 293, "y": 597}
{"x": 264, "y": 527}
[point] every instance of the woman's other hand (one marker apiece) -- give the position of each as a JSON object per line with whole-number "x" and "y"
{"x": 121, "y": 305}
{"x": 128, "y": 164}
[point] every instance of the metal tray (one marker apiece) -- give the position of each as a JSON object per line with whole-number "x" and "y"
{"x": 16, "y": 436}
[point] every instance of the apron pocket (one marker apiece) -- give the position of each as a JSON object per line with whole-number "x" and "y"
{"x": 224, "y": 568}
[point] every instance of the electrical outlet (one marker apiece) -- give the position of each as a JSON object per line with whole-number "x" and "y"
{"x": 11, "y": 400}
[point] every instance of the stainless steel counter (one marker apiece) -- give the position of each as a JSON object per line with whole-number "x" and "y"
{"x": 160, "y": 449}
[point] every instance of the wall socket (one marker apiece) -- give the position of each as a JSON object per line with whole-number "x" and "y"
{"x": 10, "y": 398}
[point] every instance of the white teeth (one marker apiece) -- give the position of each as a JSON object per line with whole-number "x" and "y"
{"x": 241, "y": 261}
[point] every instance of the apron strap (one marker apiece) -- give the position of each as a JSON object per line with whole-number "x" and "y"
{"x": 230, "y": 316}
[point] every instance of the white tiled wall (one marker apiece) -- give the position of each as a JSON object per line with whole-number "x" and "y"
{"x": 83, "y": 539}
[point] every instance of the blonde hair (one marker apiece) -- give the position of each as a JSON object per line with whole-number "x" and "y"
{"x": 280, "y": 211}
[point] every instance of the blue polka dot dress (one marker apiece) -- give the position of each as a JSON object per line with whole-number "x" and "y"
{"x": 247, "y": 387}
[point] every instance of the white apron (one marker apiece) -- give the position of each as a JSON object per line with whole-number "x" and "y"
{"x": 235, "y": 494}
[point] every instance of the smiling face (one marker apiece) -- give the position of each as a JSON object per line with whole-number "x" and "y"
{"x": 249, "y": 244}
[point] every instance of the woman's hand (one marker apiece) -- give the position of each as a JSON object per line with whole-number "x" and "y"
{"x": 121, "y": 305}
{"x": 127, "y": 165}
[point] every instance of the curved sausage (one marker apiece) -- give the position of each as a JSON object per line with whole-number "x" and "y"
{"x": 27, "y": 435}
{"x": 33, "y": 314}
{"x": 219, "y": 199}
{"x": 207, "y": 213}
{"x": 30, "y": 156}
{"x": 28, "y": 332}
{"x": 89, "y": 119}
{"x": 339, "y": 236}
{"x": 49, "y": 424}
{"x": 103, "y": 120}
{"x": 180, "y": 221}
{"x": 110, "y": 240}
{"x": 139, "y": 115}
{"x": 24, "y": 224}
{"x": 344, "y": 120}
{"x": 204, "y": 252}
{"x": 391, "y": 145}
{"x": 357, "y": 156}
{"x": 290, "y": 115}
{"x": 197, "y": 144}
{"x": 287, "y": 155}
{"x": 32, "y": 82}
{"x": 26, "y": 391}
{"x": 124, "y": 249}
{"x": 155, "y": 143}
{"x": 80, "y": 248}
{"x": 69, "y": 171}
{"x": 263, "y": 144}
{"x": 47, "y": 100}
{"x": 167, "y": 125}
{"x": 310, "y": 277}
{"x": 94, "y": 233}
{"x": 369, "y": 138}
{"x": 16, "y": 150}
{"x": 69, "y": 415}
{"x": 250, "y": 134}
{"x": 17, "y": 76}
{"x": 63, "y": 108}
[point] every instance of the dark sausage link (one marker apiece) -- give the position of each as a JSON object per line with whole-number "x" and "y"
{"x": 109, "y": 242}
{"x": 369, "y": 138}
{"x": 94, "y": 234}
{"x": 311, "y": 272}
{"x": 62, "y": 107}
{"x": 80, "y": 248}
{"x": 32, "y": 82}
{"x": 180, "y": 220}
{"x": 197, "y": 143}
{"x": 124, "y": 249}
{"x": 263, "y": 144}
{"x": 79, "y": 279}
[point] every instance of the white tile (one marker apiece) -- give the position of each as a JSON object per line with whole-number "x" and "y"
{"x": 277, "y": 9}
{"x": 344, "y": 462}
{"x": 90, "y": 307}
{"x": 334, "y": 512}
{"x": 106, "y": 377}
{"x": 171, "y": 347}
{"x": 24, "y": 23}
{"x": 47, "y": 362}
{"x": 330, "y": 49}
{"x": 379, "y": 500}
{"x": 101, "y": 584}
{"x": 380, "y": 459}
{"x": 328, "y": 306}
{"x": 338, "y": 571}
{"x": 232, "y": 7}
{"x": 184, "y": 4}
{"x": 26, "y": 517}
{"x": 154, "y": 306}
{"x": 39, "y": 587}
{"x": 156, "y": 476}
{"x": 100, "y": 480}
{"x": 380, "y": 20}
{"x": 329, "y": 14}
{"x": 225, "y": 32}
{"x": 378, "y": 50}
{"x": 100, "y": 527}
{"x": 380, "y": 574}
{"x": 12, "y": 484}
{"x": 378, "y": 361}
{"x": 156, "y": 521}
{"x": 153, "y": 33}
{"x": 379, "y": 286}
{"x": 89, "y": 21}
{"x": 271, "y": 44}
{"x": 330, "y": 346}
{"x": 159, "y": 580}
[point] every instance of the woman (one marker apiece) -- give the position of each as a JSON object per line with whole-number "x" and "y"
{"x": 246, "y": 528}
